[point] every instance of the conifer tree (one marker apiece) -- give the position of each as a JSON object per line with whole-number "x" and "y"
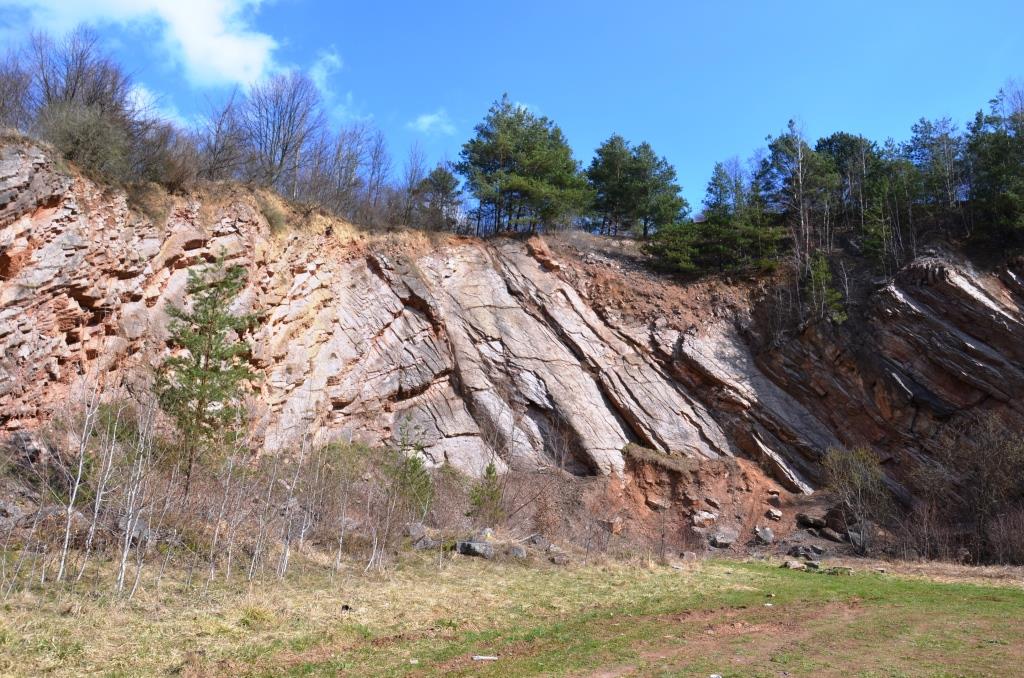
{"x": 199, "y": 387}
{"x": 520, "y": 168}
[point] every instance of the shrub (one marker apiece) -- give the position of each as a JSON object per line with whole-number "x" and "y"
{"x": 485, "y": 499}
{"x": 274, "y": 215}
{"x": 167, "y": 156}
{"x": 98, "y": 143}
{"x": 976, "y": 490}
{"x": 826, "y": 300}
{"x": 413, "y": 485}
{"x": 855, "y": 481}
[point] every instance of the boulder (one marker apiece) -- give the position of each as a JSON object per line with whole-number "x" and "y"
{"x": 704, "y": 518}
{"x": 805, "y": 520}
{"x": 830, "y": 534}
{"x": 477, "y": 549}
{"x": 421, "y": 537}
{"x": 427, "y": 544}
{"x": 837, "y": 519}
{"x": 773, "y": 514}
{"x": 764, "y": 535}
{"x": 517, "y": 551}
{"x": 486, "y": 535}
{"x": 415, "y": 531}
{"x": 839, "y": 571}
{"x": 794, "y": 565}
{"x": 538, "y": 540}
{"x": 10, "y": 511}
{"x": 724, "y": 537}
{"x": 805, "y": 552}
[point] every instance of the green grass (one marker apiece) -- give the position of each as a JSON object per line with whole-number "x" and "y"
{"x": 617, "y": 619}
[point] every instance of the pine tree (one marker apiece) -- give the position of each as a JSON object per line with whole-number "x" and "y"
{"x": 520, "y": 168}
{"x": 485, "y": 498}
{"x": 200, "y": 386}
{"x": 634, "y": 188}
{"x": 995, "y": 150}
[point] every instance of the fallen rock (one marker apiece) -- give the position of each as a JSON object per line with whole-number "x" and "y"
{"x": 559, "y": 558}
{"x": 837, "y": 520}
{"x": 517, "y": 551}
{"x": 10, "y": 511}
{"x": 724, "y": 537}
{"x": 831, "y": 535}
{"x": 538, "y": 540}
{"x": 657, "y": 503}
{"x": 805, "y": 552}
{"x": 614, "y": 526}
{"x": 794, "y": 565}
{"x": 805, "y": 520}
{"x": 477, "y": 549}
{"x": 764, "y": 535}
{"x": 416, "y": 531}
{"x": 839, "y": 571}
{"x": 773, "y": 514}
{"x": 704, "y": 518}
{"x": 421, "y": 537}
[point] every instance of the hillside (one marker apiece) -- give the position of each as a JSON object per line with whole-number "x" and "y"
{"x": 530, "y": 353}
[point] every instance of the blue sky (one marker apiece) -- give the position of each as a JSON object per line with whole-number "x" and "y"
{"x": 701, "y": 81}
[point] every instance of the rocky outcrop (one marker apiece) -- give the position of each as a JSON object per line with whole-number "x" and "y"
{"x": 478, "y": 351}
{"x": 940, "y": 342}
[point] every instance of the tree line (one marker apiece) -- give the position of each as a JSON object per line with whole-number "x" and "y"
{"x": 793, "y": 201}
{"x": 70, "y": 92}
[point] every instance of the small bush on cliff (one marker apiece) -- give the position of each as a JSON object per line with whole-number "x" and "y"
{"x": 826, "y": 300}
{"x": 96, "y": 142}
{"x": 199, "y": 387}
{"x": 856, "y": 483}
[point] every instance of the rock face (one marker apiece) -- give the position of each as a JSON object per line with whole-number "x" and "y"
{"x": 476, "y": 351}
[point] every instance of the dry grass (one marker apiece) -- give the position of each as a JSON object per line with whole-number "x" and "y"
{"x": 624, "y": 618}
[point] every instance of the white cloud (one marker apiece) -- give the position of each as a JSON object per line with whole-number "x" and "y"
{"x": 341, "y": 108}
{"x": 529, "y": 108}
{"x": 145, "y": 99}
{"x": 437, "y": 122}
{"x": 347, "y": 109}
{"x": 213, "y": 40}
{"x": 328, "y": 62}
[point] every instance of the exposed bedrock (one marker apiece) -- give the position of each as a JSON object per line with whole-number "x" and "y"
{"x": 478, "y": 352}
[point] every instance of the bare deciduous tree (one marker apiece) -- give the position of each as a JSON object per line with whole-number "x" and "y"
{"x": 15, "y": 82}
{"x": 74, "y": 69}
{"x": 221, "y": 140}
{"x": 282, "y": 116}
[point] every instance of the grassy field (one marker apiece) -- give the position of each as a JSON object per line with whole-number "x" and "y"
{"x": 725, "y": 617}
